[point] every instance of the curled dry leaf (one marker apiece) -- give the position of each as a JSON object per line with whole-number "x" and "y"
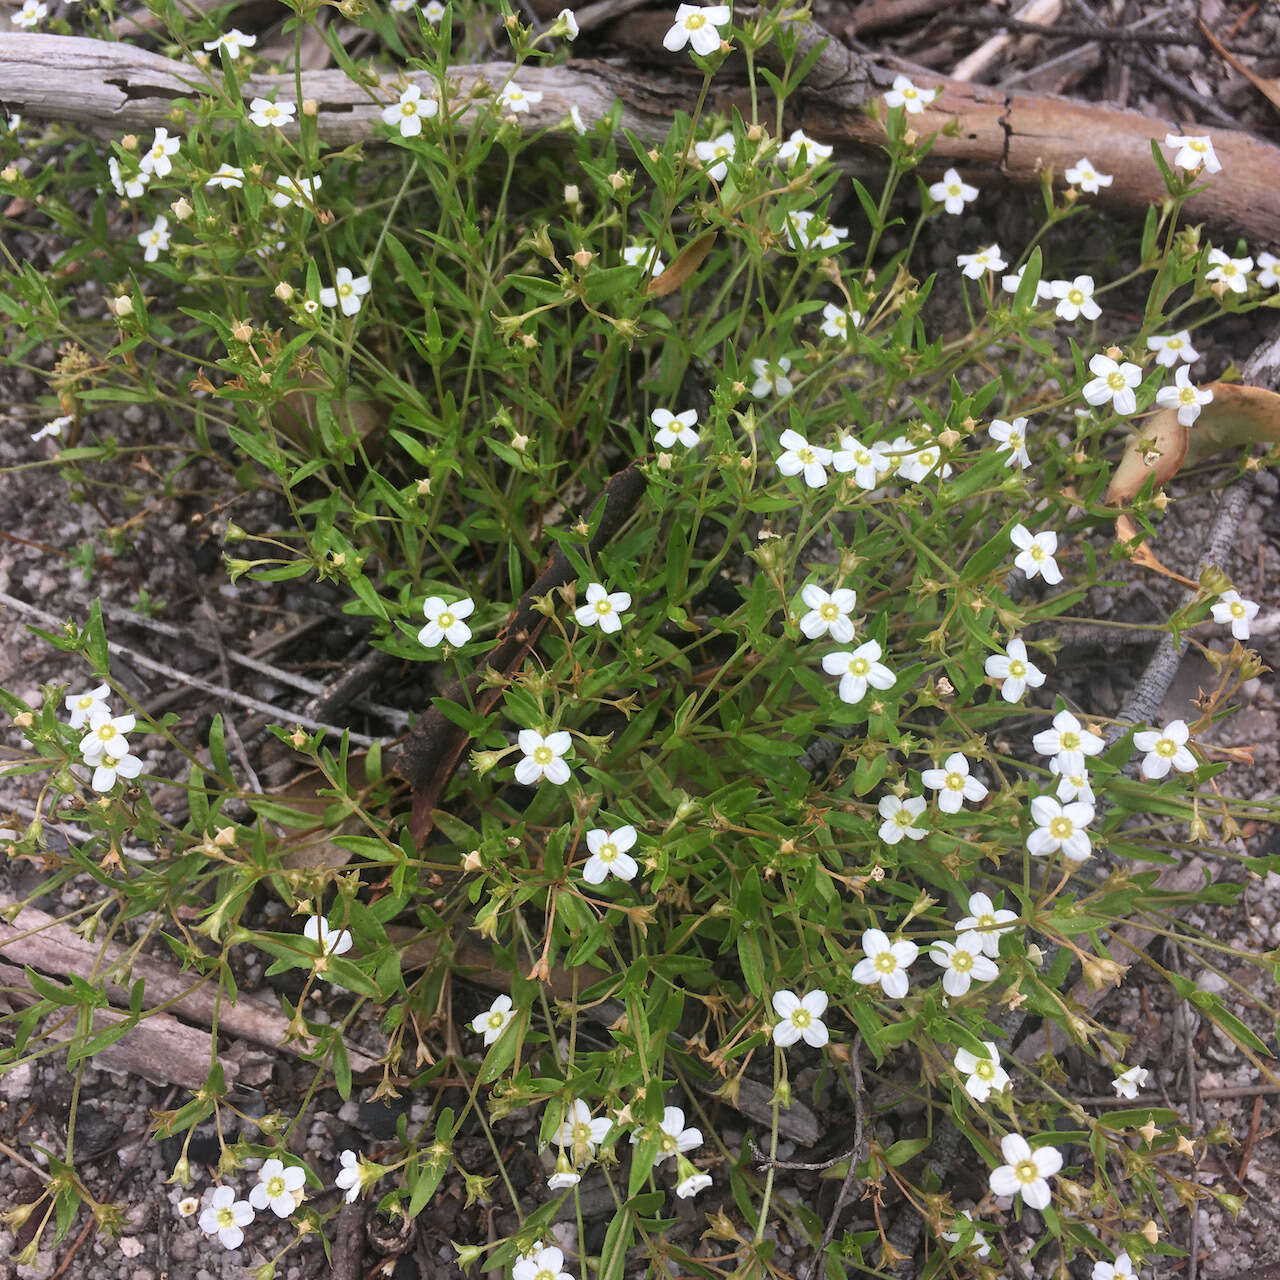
{"x": 685, "y": 263}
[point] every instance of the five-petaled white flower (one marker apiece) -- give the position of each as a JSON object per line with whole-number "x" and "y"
{"x": 1233, "y": 608}
{"x": 347, "y": 291}
{"x": 1184, "y": 396}
{"x": 154, "y": 239}
{"x": 30, "y": 15}
{"x": 1016, "y": 671}
{"x": 1027, "y": 1171}
{"x": 350, "y": 1177}
{"x": 1268, "y": 270}
{"x": 445, "y": 621}
{"x": 277, "y": 1183}
{"x": 953, "y": 193}
{"x": 110, "y": 765}
{"x": 609, "y": 856}
{"x": 1120, "y": 1269}
{"x": 828, "y": 613}
{"x": 988, "y": 923}
{"x": 799, "y": 456}
{"x": 900, "y": 818}
{"x": 801, "y": 144}
{"x": 1127, "y": 1083}
{"x": 1170, "y": 348}
{"x": 771, "y": 377}
{"x": 1193, "y": 151}
{"x": 156, "y": 159}
{"x": 695, "y": 25}
{"x": 1060, "y": 826}
{"x": 579, "y": 1133}
{"x": 1010, "y": 284}
{"x": 885, "y": 962}
{"x": 296, "y": 191}
{"x": 809, "y": 230}
{"x": 54, "y": 427}
{"x": 1011, "y": 436}
{"x": 1035, "y": 554}
{"x": 546, "y": 1264}
{"x": 83, "y": 705}
{"x": 1233, "y": 272}
{"x": 837, "y": 321}
{"x": 332, "y": 942}
{"x": 1069, "y": 741}
{"x": 869, "y": 465}
{"x": 1113, "y": 381}
{"x": 674, "y": 1138}
{"x": 1083, "y": 175}
{"x": 231, "y": 43}
{"x": 954, "y": 784}
{"x": 226, "y": 1217}
{"x": 542, "y": 757}
{"x": 984, "y": 1074}
{"x": 644, "y": 255}
{"x": 675, "y": 428}
{"x": 106, "y": 733}
{"x": 857, "y": 670}
{"x": 410, "y": 111}
{"x": 493, "y": 1021}
{"x": 978, "y": 264}
{"x": 965, "y": 962}
{"x": 715, "y": 155}
{"x": 265, "y": 113}
{"x": 1166, "y": 748}
{"x": 980, "y": 1245}
{"x": 905, "y": 94}
{"x": 801, "y": 1018}
{"x": 1075, "y": 298}
{"x": 228, "y": 176}
{"x": 602, "y": 608}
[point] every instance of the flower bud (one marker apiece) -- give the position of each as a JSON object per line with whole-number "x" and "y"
{"x": 284, "y": 291}
{"x": 181, "y": 209}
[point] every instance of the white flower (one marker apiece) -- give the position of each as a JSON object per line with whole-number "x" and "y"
{"x": 985, "y": 1074}
{"x": 801, "y": 144}
{"x": 978, "y": 264}
{"x": 1232, "y": 608}
{"x": 915, "y": 462}
{"x": 1184, "y": 396}
{"x": 1060, "y": 826}
{"x": 276, "y": 1186}
{"x": 30, "y": 15}
{"x": 349, "y": 1179}
{"x": 1011, "y": 436}
{"x": 772, "y": 377}
{"x": 1071, "y": 786}
{"x": 869, "y": 466}
{"x": 110, "y": 765}
{"x": 565, "y": 1175}
{"x": 83, "y": 705}
{"x": 1010, "y": 285}
{"x": 576, "y": 120}
{"x": 154, "y": 239}
{"x": 1127, "y": 1083}
{"x": 675, "y": 428}
{"x": 643, "y": 255}
{"x": 954, "y": 784}
{"x": 228, "y": 175}
{"x": 347, "y": 291}
{"x": 836, "y": 321}
{"x": 979, "y": 1245}
{"x": 673, "y": 1136}
{"x": 900, "y": 818}
{"x": 799, "y": 455}
{"x": 1114, "y": 382}
{"x": 952, "y": 192}
{"x": 1268, "y": 270}
{"x": 988, "y": 924}
{"x": 264, "y": 113}
{"x": 809, "y": 230}
{"x": 965, "y": 962}
{"x": 1233, "y": 272}
{"x": 1017, "y": 671}
{"x": 518, "y": 100}
{"x": 828, "y": 613}
{"x": 1165, "y": 748}
{"x": 603, "y": 608}
{"x": 433, "y": 11}
{"x": 445, "y": 621}
{"x": 1193, "y": 152}
{"x": 717, "y": 153}
{"x": 226, "y": 1217}
{"x": 231, "y": 43}
{"x": 409, "y": 112}
{"x": 1069, "y": 740}
{"x": 54, "y": 427}
{"x": 857, "y": 670}
{"x": 566, "y": 25}
{"x": 1075, "y": 298}
{"x": 155, "y": 160}
{"x": 1027, "y": 1171}
{"x": 542, "y": 757}
{"x": 1035, "y": 555}
{"x": 885, "y": 962}
{"x": 332, "y": 942}
{"x": 905, "y": 94}
{"x": 609, "y": 856}
{"x": 695, "y": 25}
{"x": 801, "y": 1018}
{"x": 131, "y": 187}
{"x": 579, "y": 1133}
{"x": 1120, "y": 1269}
{"x": 295, "y": 191}
{"x": 188, "y": 1206}
{"x": 106, "y": 733}
{"x": 691, "y": 1180}
{"x": 1082, "y": 175}
{"x": 1173, "y": 347}
{"x": 493, "y": 1021}
{"x": 546, "y": 1264}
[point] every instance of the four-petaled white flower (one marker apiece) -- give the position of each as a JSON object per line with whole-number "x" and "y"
{"x": 275, "y": 1188}
{"x": 408, "y": 113}
{"x": 347, "y": 291}
{"x": 828, "y": 613}
{"x": 1010, "y": 284}
{"x": 609, "y": 856}
{"x": 1120, "y": 1269}
{"x": 156, "y": 159}
{"x": 965, "y": 962}
{"x": 1026, "y": 1171}
{"x": 1233, "y": 608}
{"x": 695, "y": 25}
{"x": 809, "y": 230}
{"x": 231, "y": 43}
{"x": 1075, "y": 298}
{"x": 445, "y": 621}
{"x": 675, "y": 428}
{"x": 54, "y": 427}
{"x": 905, "y": 94}
{"x": 900, "y": 817}
{"x": 1069, "y": 741}
{"x": 350, "y": 1177}
{"x": 885, "y": 962}
{"x": 801, "y": 1018}
{"x": 110, "y": 765}
{"x": 771, "y": 377}
{"x": 106, "y": 734}
{"x": 30, "y": 15}
{"x": 546, "y": 1264}
{"x": 1071, "y": 786}
{"x": 644, "y": 255}
{"x": 581, "y": 1134}
{"x": 1166, "y": 748}
{"x": 154, "y": 239}
{"x": 1016, "y": 671}
{"x": 1268, "y": 270}
{"x": 989, "y": 924}
{"x": 978, "y": 264}
{"x": 226, "y": 1217}
{"x": 332, "y": 942}
{"x": 1184, "y": 396}
{"x": 518, "y": 100}
{"x": 954, "y": 784}
{"x": 493, "y": 1021}
{"x": 1011, "y": 436}
{"x": 133, "y": 186}
{"x": 1060, "y": 826}
{"x": 1127, "y": 1083}
{"x": 1035, "y": 554}
{"x": 1172, "y": 347}
{"x": 1083, "y": 175}
{"x": 985, "y": 1075}
{"x": 953, "y": 193}
{"x": 1113, "y": 381}
{"x": 837, "y": 321}
{"x": 228, "y": 176}
{"x": 1193, "y": 151}
{"x": 857, "y": 670}
{"x": 715, "y": 155}
{"x": 295, "y": 191}
{"x": 869, "y": 465}
{"x": 980, "y": 1245}
{"x": 265, "y": 113}
{"x": 433, "y": 11}
{"x": 83, "y": 705}
{"x": 800, "y": 143}
{"x": 799, "y": 456}
{"x": 1233, "y": 272}
{"x": 674, "y": 1138}
{"x": 542, "y": 757}
{"x": 602, "y": 608}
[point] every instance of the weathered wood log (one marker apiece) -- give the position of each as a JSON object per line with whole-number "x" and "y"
{"x": 998, "y": 135}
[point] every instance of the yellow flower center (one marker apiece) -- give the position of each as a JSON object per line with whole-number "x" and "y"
{"x": 1237, "y": 609}
{"x": 1069, "y": 741}
{"x": 1166, "y": 747}
{"x": 1116, "y": 381}
{"x": 1196, "y": 144}
{"x": 805, "y": 455}
{"x": 1017, "y": 669}
{"x": 344, "y": 291}
{"x": 1174, "y": 344}
{"x": 1187, "y": 395}
{"x": 1015, "y": 441}
{"x": 275, "y": 1187}
{"x": 85, "y": 702}
{"x": 226, "y": 1217}
{"x": 1036, "y": 552}
{"x": 668, "y": 1142}
{"x": 1075, "y": 297}
{"x": 986, "y": 922}
{"x": 1060, "y": 828}
{"x": 828, "y": 611}
{"x": 885, "y": 962}
{"x": 953, "y": 189}
{"x": 954, "y": 781}
{"x": 409, "y": 108}
{"x": 445, "y": 620}
{"x": 903, "y": 817}
{"x": 801, "y": 1018}
{"x": 910, "y": 92}
{"x": 544, "y": 1274}
{"x": 582, "y": 1133}
{"x": 496, "y": 1020}
{"x": 608, "y": 852}
{"x": 543, "y": 755}
{"x": 859, "y": 667}
{"x": 106, "y": 732}
{"x": 984, "y": 1069}
{"x": 961, "y": 961}
{"x": 860, "y": 456}
{"x": 1228, "y": 269}
{"x": 1087, "y": 175}
{"x": 695, "y": 22}
{"x": 1026, "y": 1172}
